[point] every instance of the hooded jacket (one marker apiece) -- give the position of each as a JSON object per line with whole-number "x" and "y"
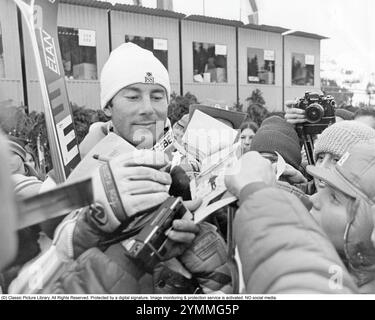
{"x": 282, "y": 249}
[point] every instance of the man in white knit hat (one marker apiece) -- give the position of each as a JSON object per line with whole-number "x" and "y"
{"x": 134, "y": 93}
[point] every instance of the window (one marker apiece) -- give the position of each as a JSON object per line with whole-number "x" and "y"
{"x": 159, "y": 47}
{"x": 2, "y": 65}
{"x": 260, "y": 66}
{"x": 210, "y": 62}
{"x": 302, "y": 69}
{"x": 78, "y": 52}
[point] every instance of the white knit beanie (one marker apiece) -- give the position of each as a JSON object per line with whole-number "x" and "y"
{"x": 129, "y": 64}
{"x": 339, "y": 137}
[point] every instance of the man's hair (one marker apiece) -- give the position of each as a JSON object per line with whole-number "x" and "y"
{"x": 364, "y": 112}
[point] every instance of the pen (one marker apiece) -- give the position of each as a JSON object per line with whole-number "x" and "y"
{"x": 101, "y": 158}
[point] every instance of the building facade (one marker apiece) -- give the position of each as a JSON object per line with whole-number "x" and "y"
{"x": 220, "y": 61}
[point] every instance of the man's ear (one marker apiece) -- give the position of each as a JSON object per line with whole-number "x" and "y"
{"x": 108, "y": 109}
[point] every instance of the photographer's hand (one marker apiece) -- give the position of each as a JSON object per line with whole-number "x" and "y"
{"x": 294, "y": 115}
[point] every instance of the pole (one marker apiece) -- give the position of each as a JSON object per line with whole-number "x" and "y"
{"x": 23, "y": 65}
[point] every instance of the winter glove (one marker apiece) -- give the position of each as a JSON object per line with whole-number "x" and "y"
{"x": 206, "y": 259}
{"x": 129, "y": 185}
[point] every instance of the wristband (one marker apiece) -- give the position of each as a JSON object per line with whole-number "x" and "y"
{"x": 111, "y": 192}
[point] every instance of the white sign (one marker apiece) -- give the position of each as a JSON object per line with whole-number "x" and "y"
{"x": 253, "y": 79}
{"x": 269, "y": 55}
{"x": 86, "y": 38}
{"x": 220, "y": 49}
{"x": 309, "y": 59}
{"x": 161, "y": 44}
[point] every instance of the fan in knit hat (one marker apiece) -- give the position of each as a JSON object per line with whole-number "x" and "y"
{"x": 339, "y": 137}
{"x": 275, "y": 134}
{"x": 129, "y": 64}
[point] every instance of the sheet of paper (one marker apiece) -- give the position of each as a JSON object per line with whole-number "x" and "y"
{"x": 280, "y": 165}
{"x": 207, "y": 135}
{"x": 207, "y": 208}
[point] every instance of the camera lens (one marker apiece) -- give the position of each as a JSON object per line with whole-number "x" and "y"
{"x": 314, "y": 113}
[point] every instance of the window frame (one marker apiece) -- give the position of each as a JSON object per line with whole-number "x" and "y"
{"x": 197, "y": 64}
{"x": 82, "y": 54}
{"x": 304, "y": 70}
{"x": 248, "y": 50}
{"x": 148, "y": 38}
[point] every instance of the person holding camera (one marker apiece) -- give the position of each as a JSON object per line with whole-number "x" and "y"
{"x": 334, "y": 140}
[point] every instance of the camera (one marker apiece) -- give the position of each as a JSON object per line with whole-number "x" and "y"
{"x": 319, "y": 112}
{"x": 151, "y": 244}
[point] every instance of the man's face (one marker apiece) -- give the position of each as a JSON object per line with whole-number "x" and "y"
{"x": 330, "y": 211}
{"x": 138, "y": 113}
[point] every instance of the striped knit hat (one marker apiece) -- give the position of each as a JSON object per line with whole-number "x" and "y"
{"x": 339, "y": 137}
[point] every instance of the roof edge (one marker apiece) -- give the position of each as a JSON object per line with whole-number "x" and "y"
{"x": 214, "y": 20}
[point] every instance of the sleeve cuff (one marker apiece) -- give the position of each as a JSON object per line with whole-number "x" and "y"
{"x": 249, "y": 189}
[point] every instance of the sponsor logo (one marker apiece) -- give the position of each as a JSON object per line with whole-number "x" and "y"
{"x": 149, "y": 78}
{"x": 49, "y": 51}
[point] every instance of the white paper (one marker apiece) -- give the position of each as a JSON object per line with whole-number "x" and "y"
{"x": 206, "y": 135}
{"x": 220, "y": 49}
{"x": 205, "y": 211}
{"x": 269, "y": 55}
{"x": 280, "y": 165}
{"x": 86, "y": 38}
{"x": 309, "y": 59}
{"x": 160, "y": 44}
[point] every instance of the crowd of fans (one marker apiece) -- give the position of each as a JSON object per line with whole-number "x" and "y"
{"x": 311, "y": 230}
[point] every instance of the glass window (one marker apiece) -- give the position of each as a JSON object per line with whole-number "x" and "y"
{"x": 260, "y": 66}
{"x": 210, "y": 62}
{"x": 78, "y": 52}
{"x": 2, "y": 65}
{"x": 302, "y": 69}
{"x": 159, "y": 47}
